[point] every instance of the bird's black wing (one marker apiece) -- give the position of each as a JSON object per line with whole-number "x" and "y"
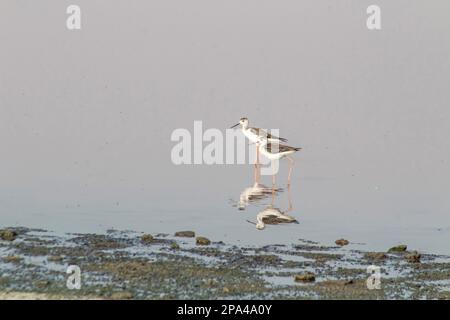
{"x": 275, "y": 147}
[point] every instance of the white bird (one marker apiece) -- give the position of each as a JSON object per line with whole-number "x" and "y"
{"x": 255, "y": 135}
{"x": 276, "y": 151}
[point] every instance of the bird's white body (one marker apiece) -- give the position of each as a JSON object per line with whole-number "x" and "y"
{"x": 250, "y": 134}
{"x": 274, "y": 155}
{"x": 276, "y": 152}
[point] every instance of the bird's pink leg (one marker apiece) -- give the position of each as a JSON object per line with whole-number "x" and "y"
{"x": 273, "y": 175}
{"x": 258, "y": 168}
{"x": 290, "y": 199}
{"x": 291, "y": 166}
{"x": 273, "y": 195}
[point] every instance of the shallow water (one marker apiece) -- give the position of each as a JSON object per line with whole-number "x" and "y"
{"x": 85, "y": 123}
{"x": 217, "y": 217}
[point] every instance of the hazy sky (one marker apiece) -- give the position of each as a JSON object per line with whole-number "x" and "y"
{"x": 86, "y": 116}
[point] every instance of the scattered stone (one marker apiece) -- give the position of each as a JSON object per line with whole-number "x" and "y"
{"x": 55, "y": 258}
{"x": 306, "y": 277}
{"x": 399, "y": 248}
{"x": 185, "y": 234}
{"x": 147, "y": 238}
{"x": 122, "y": 295}
{"x": 342, "y": 242}
{"x": 174, "y": 246}
{"x": 202, "y": 241}
{"x": 413, "y": 257}
{"x": 12, "y": 259}
{"x": 8, "y": 235}
{"x": 225, "y": 290}
{"x": 376, "y": 256}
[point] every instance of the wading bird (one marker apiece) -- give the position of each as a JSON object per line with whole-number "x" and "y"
{"x": 254, "y": 135}
{"x": 276, "y": 151}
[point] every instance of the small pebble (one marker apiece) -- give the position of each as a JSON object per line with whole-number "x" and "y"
{"x": 306, "y": 277}
{"x": 185, "y": 234}
{"x": 399, "y": 248}
{"x": 342, "y": 242}
{"x": 147, "y": 238}
{"x": 202, "y": 241}
{"x": 413, "y": 257}
{"x": 8, "y": 235}
{"x": 174, "y": 246}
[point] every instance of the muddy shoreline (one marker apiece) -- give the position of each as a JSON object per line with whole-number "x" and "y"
{"x": 131, "y": 265}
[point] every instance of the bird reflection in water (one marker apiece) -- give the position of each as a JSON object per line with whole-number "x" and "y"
{"x": 272, "y": 215}
{"x": 255, "y": 193}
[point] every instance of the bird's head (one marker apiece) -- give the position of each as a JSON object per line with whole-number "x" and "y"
{"x": 260, "y": 226}
{"x": 243, "y": 122}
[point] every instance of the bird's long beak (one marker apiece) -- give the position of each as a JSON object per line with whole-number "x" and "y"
{"x": 250, "y": 222}
{"x": 235, "y": 125}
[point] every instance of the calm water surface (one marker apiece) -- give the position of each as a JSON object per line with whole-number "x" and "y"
{"x": 86, "y": 118}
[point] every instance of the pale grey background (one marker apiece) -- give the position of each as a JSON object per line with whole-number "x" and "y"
{"x": 86, "y": 116}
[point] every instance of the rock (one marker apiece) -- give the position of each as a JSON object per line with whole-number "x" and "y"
{"x": 342, "y": 242}
{"x": 54, "y": 258}
{"x": 8, "y": 235}
{"x": 147, "y": 238}
{"x": 376, "y": 256}
{"x": 306, "y": 277}
{"x": 174, "y": 246}
{"x": 12, "y": 259}
{"x": 399, "y": 248}
{"x": 202, "y": 241}
{"x": 413, "y": 257}
{"x": 225, "y": 290}
{"x": 122, "y": 295}
{"x": 185, "y": 234}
